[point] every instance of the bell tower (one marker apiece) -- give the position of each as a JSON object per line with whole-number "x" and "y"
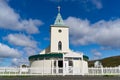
{"x": 59, "y": 42}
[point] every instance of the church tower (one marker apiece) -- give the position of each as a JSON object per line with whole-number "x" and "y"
{"x": 59, "y": 41}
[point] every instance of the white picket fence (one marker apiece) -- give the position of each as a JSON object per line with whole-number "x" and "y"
{"x": 104, "y": 71}
{"x": 59, "y": 71}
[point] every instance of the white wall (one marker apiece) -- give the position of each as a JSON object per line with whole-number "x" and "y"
{"x": 47, "y": 66}
{"x": 42, "y": 65}
{"x": 38, "y": 65}
{"x": 76, "y": 66}
{"x": 56, "y": 37}
{"x": 85, "y": 67}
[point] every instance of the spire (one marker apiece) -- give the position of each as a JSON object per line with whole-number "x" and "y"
{"x": 59, "y": 20}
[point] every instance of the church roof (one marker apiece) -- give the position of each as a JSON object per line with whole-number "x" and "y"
{"x": 43, "y": 56}
{"x": 51, "y": 55}
{"x": 59, "y": 20}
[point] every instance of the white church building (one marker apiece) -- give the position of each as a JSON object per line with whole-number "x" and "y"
{"x": 58, "y": 58}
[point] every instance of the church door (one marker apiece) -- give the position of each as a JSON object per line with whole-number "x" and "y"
{"x": 68, "y": 67}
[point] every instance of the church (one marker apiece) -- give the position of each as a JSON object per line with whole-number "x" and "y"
{"x": 58, "y": 58}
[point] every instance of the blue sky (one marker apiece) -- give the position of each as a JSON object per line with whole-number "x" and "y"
{"x": 25, "y": 25}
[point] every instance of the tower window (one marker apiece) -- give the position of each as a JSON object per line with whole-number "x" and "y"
{"x": 59, "y": 30}
{"x": 59, "y": 45}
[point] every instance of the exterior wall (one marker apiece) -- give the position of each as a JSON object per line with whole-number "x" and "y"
{"x": 45, "y": 67}
{"x": 56, "y": 37}
{"x": 76, "y": 66}
{"x": 37, "y": 64}
{"x": 42, "y": 65}
{"x": 85, "y": 67}
{"x": 42, "y": 52}
{"x": 48, "y": 67}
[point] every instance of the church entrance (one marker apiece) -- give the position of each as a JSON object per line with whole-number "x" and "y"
{"x": 60, "y": 64}
{"x": 68, "y": 67}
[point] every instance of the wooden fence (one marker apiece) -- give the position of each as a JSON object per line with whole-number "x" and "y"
{"x": 30, "y": 71}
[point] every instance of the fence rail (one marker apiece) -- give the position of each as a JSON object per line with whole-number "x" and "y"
{"x": 104, "y": 71}
{"x": 58, "y": 71}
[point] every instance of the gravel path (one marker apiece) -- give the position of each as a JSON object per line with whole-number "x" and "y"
{"x": 61, "y": 78}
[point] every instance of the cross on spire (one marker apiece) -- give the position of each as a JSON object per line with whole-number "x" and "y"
{"x": 58, "y": 9}
{"x": 59, "y": 20}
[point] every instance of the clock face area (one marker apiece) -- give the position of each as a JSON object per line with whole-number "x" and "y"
{"x": 59, "y": 30}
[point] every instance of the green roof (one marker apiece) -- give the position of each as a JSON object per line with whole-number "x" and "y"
{"x": 59, "y": 20}
{"x": 51, "y": 55}
{"x": 86, "y": 58}
{"x": 42, "y": 56}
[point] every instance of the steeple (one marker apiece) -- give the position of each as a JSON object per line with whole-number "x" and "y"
{"x": 59, "y": 20}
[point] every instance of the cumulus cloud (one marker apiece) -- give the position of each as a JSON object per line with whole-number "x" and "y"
{"x": 21, "y": 40}
{"x": 19, "y": 61}
{"x": 30, "y": 51}
{"x": 26, "y": 43}
{"x": 11, "y": 20}
{"x": 8, "y": 52}
{"x": 104, "y": 33}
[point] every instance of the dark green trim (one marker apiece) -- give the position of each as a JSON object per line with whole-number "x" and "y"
{"x": 59, "y": 26}
{"x": 46, "y": 56}
{"x": 86, "y": 58}
{"x": 51, "y": 55}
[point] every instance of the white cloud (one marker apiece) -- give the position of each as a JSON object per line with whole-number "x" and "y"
{"x": 19, "y": 61}
{"x": 15, "y": 62}
{"x": 6, "y": 51}
{"x": 21, "y": 40}
{"x": 30, "y": 51}
{"x": 11, "y": 20}
{"x": 27, "y": 44}
{"x": 104, "y": 33}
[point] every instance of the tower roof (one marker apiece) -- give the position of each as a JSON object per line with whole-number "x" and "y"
{"x": 59, "y": 20}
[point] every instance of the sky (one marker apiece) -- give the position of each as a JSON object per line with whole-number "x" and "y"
{"x": 25, "y": 24}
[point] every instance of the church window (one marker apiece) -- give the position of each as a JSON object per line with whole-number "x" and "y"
{"x": 59, "y": 30}
{"x": 70, "y": 63}
{"x": 59, "y": 45}
{"x": 54, "y": 63}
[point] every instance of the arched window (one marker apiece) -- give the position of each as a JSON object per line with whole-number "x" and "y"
{"x": 59, "y": 45}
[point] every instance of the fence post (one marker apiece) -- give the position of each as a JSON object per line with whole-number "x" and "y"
{"x": 102, "y": 70}
{"x": 119, "y": 69}
{"x": 20, "y": 71}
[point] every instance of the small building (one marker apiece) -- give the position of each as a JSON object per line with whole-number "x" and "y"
{"x": 98, "y": 64}
{"x": 58, "y": 58}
